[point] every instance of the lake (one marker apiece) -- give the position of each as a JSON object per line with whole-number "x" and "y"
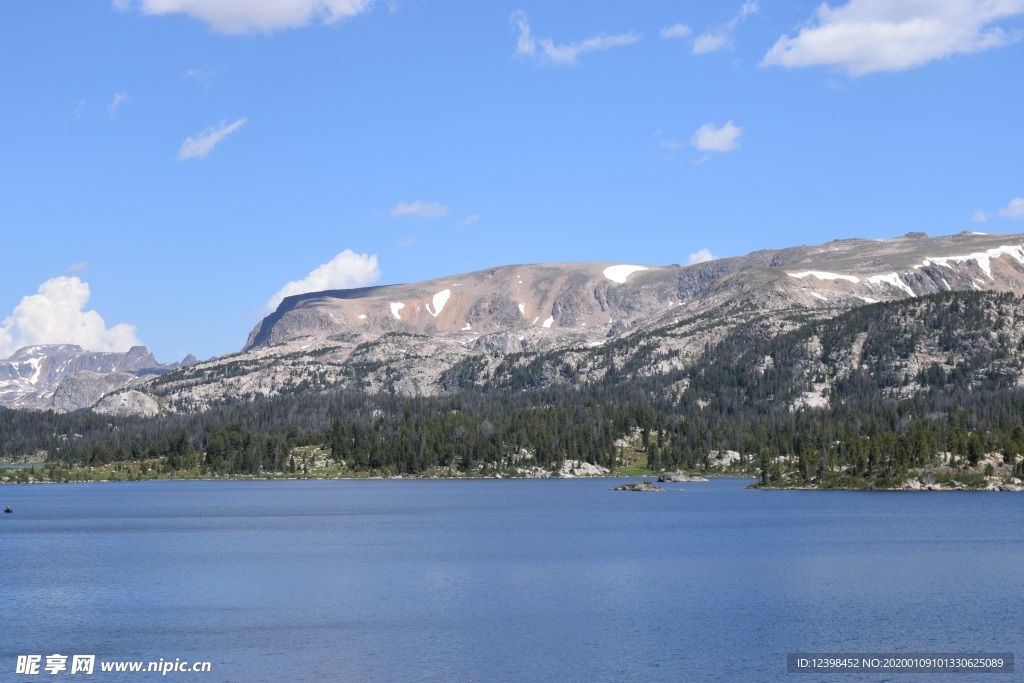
{"x": 502, "y": 580}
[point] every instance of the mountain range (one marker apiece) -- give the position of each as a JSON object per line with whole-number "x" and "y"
{"x": 66, "y": 377}
{"x": 536, "y": 321}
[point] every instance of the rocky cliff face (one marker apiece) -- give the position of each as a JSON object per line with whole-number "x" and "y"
{"x": 429, "y": 337}
{"x": 66, "y": 377}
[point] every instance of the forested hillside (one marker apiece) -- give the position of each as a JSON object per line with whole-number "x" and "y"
{"x": 866, "y": 398}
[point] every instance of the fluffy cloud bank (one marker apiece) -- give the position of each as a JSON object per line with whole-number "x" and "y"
{"x": 346, "y": 270}
{"x": 249, "y": 16}
{"x": 565, "y": 54}
{"x": 865, "y": 36}
{"x": 202, "y": 144}
{"x": 55, "y": 315}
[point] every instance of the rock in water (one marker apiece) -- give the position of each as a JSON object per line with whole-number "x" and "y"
{"x": 638, "y": 486}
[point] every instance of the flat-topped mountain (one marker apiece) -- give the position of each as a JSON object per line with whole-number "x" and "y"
{"x": 604, "y": 299}
{"x": 461, "y": 330}
{"x": 554, "y": 296}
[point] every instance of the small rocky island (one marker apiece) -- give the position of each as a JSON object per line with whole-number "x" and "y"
{"x": 638, "y": 486}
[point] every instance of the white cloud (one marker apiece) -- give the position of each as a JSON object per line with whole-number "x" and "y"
{"x": 248, "y": 16}
{"x": 566, "y": 54}
{"x": 55, "y": 315}
{"x": 721, "y": 37}
{"x": 708, "y": 138}
{"x": 1015, "y": 209}
{"x": 468, "y": 220}
{"x": 203, "y": 75}
{"x": 78, "y": 109}
{"x": 700, "y": 257}
{"x": 865, "y": 36}
{"x": 709, "y": 42}
{"x": 979, "y": 216}
{"x": 345, "y": 271}
{"x": 749, "y": 7}
{"x": 420, "y": 209}
{"x": 407, "y": 242}
{"x": 675, "y": 31}
{"x": 204, "y": 142}
{"x": 119, "y": 98}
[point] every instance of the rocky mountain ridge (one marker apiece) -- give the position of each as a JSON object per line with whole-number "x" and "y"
{"x": 66, "y": 377}
{"x": 429, "y": 337}
{"x": 604, "y": 299}
{"x": 544, "y": 322}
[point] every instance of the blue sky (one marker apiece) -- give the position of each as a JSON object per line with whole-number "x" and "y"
{"x": 172, "y": 167}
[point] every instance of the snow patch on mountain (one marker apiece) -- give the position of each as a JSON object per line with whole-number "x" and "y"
{"x": 440, "y": 299}
{"x": 620, "y": 273}
{"x": 892, "y": 279}
{"x": 824, "y": 275}
{"x": 549, "y": 321}
{"x": 983, "y": 258}
{"x": 396, "y": 306}
{"x": 34, "y": 362}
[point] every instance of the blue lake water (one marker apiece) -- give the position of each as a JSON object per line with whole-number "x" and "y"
{"x": 502, "y": 580}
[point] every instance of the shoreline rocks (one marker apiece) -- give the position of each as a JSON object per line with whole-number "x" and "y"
{"x": 679, "y": 477}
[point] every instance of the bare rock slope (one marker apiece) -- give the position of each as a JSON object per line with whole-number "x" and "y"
{"x": 559, "y": 297}
{"x": 598, "y": 300}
